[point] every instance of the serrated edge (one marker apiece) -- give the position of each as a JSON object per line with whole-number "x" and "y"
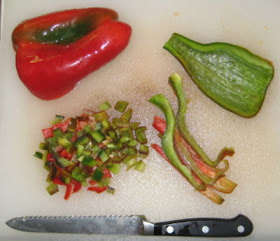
{"x": 24, "y": 218}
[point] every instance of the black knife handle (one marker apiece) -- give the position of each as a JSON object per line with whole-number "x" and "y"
{"x": 206, "y": 227}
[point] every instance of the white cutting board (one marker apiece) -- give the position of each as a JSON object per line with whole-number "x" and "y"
{"x": 138, "y": 73}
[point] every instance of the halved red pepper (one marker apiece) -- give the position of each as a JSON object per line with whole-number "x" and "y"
{"x": 55, "y": 51}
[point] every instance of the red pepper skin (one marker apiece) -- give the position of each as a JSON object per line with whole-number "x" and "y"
{"x": 63, "y": 153}
{"x": 76, "y": 185}
{"x": 48, "y": 132}
{"x": 97, "y": 189}
{"x": 58, "y": 181}
{"x": 51, "y": 70}
{"x": 68, "y": 191}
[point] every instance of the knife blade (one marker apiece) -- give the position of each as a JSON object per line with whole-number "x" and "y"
{"x": 134, "y": 225}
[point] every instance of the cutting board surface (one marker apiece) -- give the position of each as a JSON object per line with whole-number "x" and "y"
{"x": 139, "y": 72}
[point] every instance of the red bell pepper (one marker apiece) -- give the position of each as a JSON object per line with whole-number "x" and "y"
{"x": 55, "y": 51}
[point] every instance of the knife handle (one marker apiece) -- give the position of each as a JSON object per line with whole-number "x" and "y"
{"x": 206, "y": 227}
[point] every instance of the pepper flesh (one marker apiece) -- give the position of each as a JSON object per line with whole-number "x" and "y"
{"x": 55, "y": 51}
{"x": 230, "y": 75}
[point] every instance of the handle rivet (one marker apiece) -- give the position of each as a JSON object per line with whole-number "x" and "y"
{"x": 205, "y": 229}
{"x": 240, "y": 229}
{"x": 169, "y": 229}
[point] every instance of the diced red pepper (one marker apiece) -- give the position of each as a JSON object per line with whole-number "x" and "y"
{"x": 58, "y": 181}
{"x": 77, "y": 185}
{"x": 50, "y": 158}
{"x": 107, "y": 173}
{"x": 63, "y": 126}
{"x": 81, "y": 125}
{"x": 48, "y": 132}
{"x": 67, "y": 155}
{"x": 97, "y": 189}
{"x": 68, "y": 191}
{"x": 92, "y": 182}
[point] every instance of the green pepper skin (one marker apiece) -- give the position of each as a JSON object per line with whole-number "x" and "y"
{"x": 230, "y": 75}
{"x": 168, "y": 143}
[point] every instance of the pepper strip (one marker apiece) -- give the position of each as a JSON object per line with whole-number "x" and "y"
{"x": 175, "y": 81}
{"x": 222, "y": 184}
{"x": 168, "y": 143}
{"x": 208, "y": 192}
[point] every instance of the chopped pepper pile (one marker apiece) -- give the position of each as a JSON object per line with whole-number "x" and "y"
{"x": 87, "y": 150}
{"x": 181, "y": 150}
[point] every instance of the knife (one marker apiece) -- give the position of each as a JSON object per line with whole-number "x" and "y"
{"x": 134, "y": 225}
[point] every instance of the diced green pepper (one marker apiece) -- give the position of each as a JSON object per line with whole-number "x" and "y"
{"x": 112, "y": 134}
{"x": 132, "y": 143}
{"x": 134, "y": 125}
{"x": 66, "y": 180}
{"x": 43, "y": 146}
{"x": 52, "y": 188}
{"x": 57, "y": 119}
{"x": 80, "y": 149}
{"x": 100, "y": 116}
{"x": 121, "y": 106}
{"x": 64, "y": 162}
{"x": 58, "y": 133}
{"x": 45, "y": 154}
{"x": 140, "y": 166}
{"x": 112, "y": 146}
{"x": 124, "y": 139}
{"x": 77, "y": 174}
{"x": 89, "y": 161}
{"x": 105, "y": 124}
{"x": 115, "y": 168}
{"x": 111, "y": 190}
{"x": 87, "y": 129}
{"x": 126, "y": 116}
{"x": 98, "y": 136}
{"x": 38, "y": 154}
{"x": 96, "y": 150}
{"x": 104, "y": 156}
{"x": 140, "y": 133}
{"x": 98, "y": 126}
{"x": 104, "y": 182}
{"x": 144, "y": 149}
{"x": 86, "y": 153}
{"x": 104, "y": 106}
{"x": 131, "y": 163}
{"x": 64, "y": 142}
{"x": 132, "y": 151}
{"x": 81, "y": 141}
{"x": 97, "y": 174}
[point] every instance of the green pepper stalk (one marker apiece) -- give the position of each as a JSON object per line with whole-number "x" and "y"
{"x": 168, "y": 143}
